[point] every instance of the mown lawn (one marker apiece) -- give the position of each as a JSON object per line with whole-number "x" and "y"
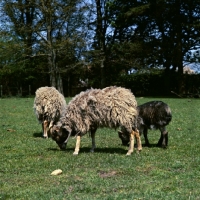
{"x": 27, "y": 160}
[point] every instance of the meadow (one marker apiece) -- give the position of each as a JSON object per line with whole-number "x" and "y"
{"x": 27, "y": 160}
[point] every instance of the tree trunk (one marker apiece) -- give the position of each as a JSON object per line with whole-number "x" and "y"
{"x": 59, "y": 83}
{"x": 55, "y": 77}
{"x": 179, "y": 57}
{"x": 52, "y": 71}
{"x": 178, "y": 48}
{"x": 100, "y": 34}
{"x": 103, "y": 74}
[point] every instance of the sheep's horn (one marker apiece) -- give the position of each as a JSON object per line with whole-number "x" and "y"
{"x": 65, "y": 142}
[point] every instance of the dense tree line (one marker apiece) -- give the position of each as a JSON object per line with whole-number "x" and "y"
{"x": 60, "y": 42}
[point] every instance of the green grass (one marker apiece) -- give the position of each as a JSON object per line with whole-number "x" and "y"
{"x": 27, "y": 160}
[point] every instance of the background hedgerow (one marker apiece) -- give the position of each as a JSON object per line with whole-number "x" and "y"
{"x": 27, "y": 159}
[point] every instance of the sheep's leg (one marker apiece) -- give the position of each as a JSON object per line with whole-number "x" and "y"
{"x": 78, "y": 141}
{"x": 138, "y": 139}
{"x": 50, "y": 128}
{"x": 131, "y": 145}
{"x": 93, "y": 131}
{"x": 163, "y": 141}
{"x": 45, "y": 128}
{"x": 159, "y": 144}
{"x": 145, "y": 131}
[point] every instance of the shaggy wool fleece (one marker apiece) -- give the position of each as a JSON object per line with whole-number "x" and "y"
{"x": 49, "y": 105}
{"x": 110, "y": 107}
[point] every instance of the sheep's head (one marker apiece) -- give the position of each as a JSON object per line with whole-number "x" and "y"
{"x": 124, "y": 136}
{"x": 61, "y": 133}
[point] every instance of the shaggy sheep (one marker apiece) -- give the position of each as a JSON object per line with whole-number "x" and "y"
{"x": 49, "y": 105}
{"x": 154, "y": 114}
{"x": 110, "y": 107}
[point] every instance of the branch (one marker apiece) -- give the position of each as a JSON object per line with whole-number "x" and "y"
{"x": 176, "y": 94}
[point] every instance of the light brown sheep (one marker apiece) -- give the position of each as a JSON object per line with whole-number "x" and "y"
{"x": 110, "y": 107}
{"x": 49, "y": 105}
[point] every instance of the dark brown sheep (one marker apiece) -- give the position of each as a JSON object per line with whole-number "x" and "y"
{"x": 151, "y": 115}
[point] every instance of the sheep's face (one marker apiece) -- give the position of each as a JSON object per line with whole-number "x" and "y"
{"x": 60, "y": 135}
{"x": 124, "y": 138}
{"x": 124, "y": 135}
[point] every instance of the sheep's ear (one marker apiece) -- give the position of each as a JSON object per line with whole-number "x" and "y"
{"x": 140, "y": 121}
{"x": 51, "y": 124}
{"x": 67, "y": 128}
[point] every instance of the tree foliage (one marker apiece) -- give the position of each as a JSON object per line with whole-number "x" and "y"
{"x": 166, "y": 30}
{"x": 48, "y": 29}
{"x": 98, "y": 40}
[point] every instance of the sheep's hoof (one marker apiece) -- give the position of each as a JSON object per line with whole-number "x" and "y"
{"x": 75, "y": 154}
{"x": 159, "y": 145}
{"x": 164, "y": 146}
{"x": 138, "y": 151}
{"x": 92, "y": 150}
{"x": 129, "y": 153}
{"x": 139, "y": 148}
{"x": 147, "y": 145}
{"x": 45, "y": 137}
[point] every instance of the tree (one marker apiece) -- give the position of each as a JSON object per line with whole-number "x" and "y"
{"x": 14, "y": 68}
{"x": 54, "y": 27}
{"x": 109, "y": 44}
{"x": 165, "y": 29}
{"x": 98, "y": 25}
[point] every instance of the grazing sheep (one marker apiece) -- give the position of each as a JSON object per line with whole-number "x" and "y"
{"x": 49, "y": 105}
{"x": 154, "y": 114}
{"x": 110, "y": 107}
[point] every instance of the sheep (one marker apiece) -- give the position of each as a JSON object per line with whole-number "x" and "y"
{"x": 153, "y": 114}
{"x": 111, "y": 107}
{"x": 49, "y": 105}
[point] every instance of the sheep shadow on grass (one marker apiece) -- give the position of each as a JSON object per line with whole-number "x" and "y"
{"x": 38, "y": 135}
{"x": 152, "y": 146}
{"x": 146, "y": 146}
{"x": 97, "y": 150}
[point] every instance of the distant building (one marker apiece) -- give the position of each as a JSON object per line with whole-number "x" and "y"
{"x": 188, "y": 70}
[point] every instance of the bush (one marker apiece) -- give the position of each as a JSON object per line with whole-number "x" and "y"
{"x": 161, "y": 83}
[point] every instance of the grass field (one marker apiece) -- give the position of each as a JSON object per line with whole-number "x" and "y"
{"x": 27, "y": 160}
